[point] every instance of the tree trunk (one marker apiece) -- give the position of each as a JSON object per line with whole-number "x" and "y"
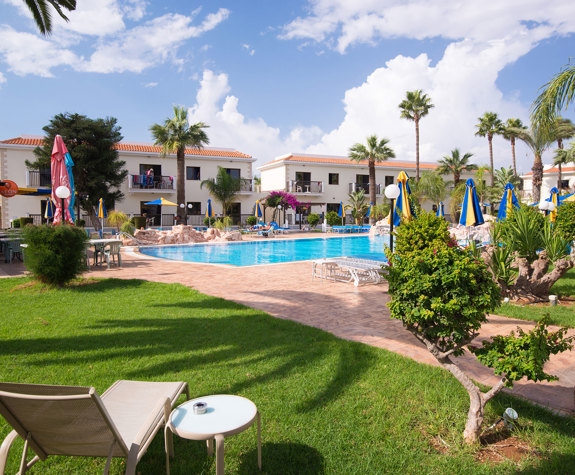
{"x": 181, "y": 183}
{"x": 537, "y": 177}
{"x": 490, "y": 139}
{"x": 559, "y": 166}
{"x": 372, "y": 196}
{"x": 416, "y": 119}
{"x": 513, "y": 155}
{"x": 456, "y": 179}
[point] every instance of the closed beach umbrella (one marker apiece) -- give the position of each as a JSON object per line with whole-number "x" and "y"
{"x": 508, "y": 201}
{"x": 554, "y": 198}
{"x": 258, "y": 209}
{"x": 341, "y": 212}
{"x": 471, "y": 211}
{"x": 369, "y": 210}
{"x": 49, "y": 213}
{"x": 102, "y": 214}
{"x": 69, "y": 164}
{"x": 402, "y": 204}
{"x": 441, "y": 210}
{"x": 60, "y": 177}
{"x": 210, "y": 212}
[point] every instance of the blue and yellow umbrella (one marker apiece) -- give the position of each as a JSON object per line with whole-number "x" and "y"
{"x": 49, "y": 213}
{"x": 471, "y": 211}
{"x": 210, "y": 212}
{"x": 554, "y": 198}
{"x": 441, "y": 210}
{"x": 102, "y": 214}
{"x": 258, "y": 209}
{"x": 369, "y": 210}
{"x": 341, "y": 212}
{"x": 508, "y": 201}
{"x": 402, "y": 205}
{"x": 162, "y": 202}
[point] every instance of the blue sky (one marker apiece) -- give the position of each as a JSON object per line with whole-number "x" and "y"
{"x": 274, "y": 77}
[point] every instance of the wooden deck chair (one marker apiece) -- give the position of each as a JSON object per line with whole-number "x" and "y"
{"x": 76, "y": 421}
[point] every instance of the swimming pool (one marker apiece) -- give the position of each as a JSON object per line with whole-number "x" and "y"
{"x": 273, "y": 251}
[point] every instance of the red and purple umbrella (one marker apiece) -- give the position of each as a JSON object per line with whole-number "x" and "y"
{"x": 60, "y": 178}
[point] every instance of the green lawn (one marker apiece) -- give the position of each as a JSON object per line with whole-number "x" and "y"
{"x": 559, "y": 315}
{"x": 328, "y": 405}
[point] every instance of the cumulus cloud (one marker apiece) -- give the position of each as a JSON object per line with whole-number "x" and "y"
{"x": 340, "y": 23}
{"x": 151, "y": 84}
{"x": 135, "y": 9}
{"x": 230, "y": 128}
{"x": 249, "y": 49}
{"x": 2, "y": 78}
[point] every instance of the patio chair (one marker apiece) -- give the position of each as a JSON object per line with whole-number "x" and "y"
{"x": 111, "y": 251}
{"x": 75, "y": 421}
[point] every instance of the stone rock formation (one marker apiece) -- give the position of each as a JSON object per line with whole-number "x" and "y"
{"x": 182, "y": 234}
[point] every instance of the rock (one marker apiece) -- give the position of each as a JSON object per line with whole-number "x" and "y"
{"x": 181, "y": 234}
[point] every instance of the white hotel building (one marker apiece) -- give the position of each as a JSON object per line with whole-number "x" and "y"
{"x": 319, "y": 180}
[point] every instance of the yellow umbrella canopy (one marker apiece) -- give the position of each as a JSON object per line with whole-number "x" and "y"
{"x": 162, "y": 202}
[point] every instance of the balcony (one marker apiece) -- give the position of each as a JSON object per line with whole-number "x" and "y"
{"x": 38, "y": 179}
{"x": 306, "y": 187}
{"x": 246, "y": 185}
{"x": 157, "y": 183}
{"x": 365, "y": 187}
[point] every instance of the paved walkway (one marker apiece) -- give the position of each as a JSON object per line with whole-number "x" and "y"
{"x": 360, "y": 314}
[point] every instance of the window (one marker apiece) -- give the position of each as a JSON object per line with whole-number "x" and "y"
{"x": 192, "y": 173}
{"x": 333, "y": 207}
{"x": 45, "y": 176}
{"x": 564, "y": 184}
{"x": 234, "y": 172}
{"x": 334, "y": 178}
{"x": 304, "y": 177}
{"x": 389, "y": 180}
{"x": 195, "y": 209}
{"x": 362, "y": 179}
{"x": 156, "y": 168}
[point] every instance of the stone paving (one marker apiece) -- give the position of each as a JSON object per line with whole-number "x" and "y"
{"x": 360, "y": 314}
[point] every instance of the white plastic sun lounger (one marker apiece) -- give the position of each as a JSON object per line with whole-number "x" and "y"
{"x": 344, "y": 269}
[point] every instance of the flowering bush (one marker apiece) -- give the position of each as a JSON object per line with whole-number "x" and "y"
{"x": 277, "y": 198}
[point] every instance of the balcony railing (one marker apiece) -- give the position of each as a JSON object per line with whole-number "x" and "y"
{"x": 299, "y": 186}
{"x": 246, "y": 185}
{"x": 144, "y": 182}
{"x": 36, "y": 178}
{"x": 365, "y": 187}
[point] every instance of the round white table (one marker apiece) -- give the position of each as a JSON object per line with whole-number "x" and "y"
{"x": 226, "y": 415}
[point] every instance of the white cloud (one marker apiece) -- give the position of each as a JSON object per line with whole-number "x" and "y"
{"x": 151, "y": 84}
{"x": 340, "y": 23}
{"x": 151, "y": 44}
{"x": 135, "y": 9}
{"x": 249, "y": 49}
{"x": 93, "y": 17}
{"x": 25, "y": 53}
{"x": 230, "y": 128}
{"x": 2, "y": 78}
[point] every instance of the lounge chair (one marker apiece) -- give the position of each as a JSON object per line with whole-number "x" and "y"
{"x": 345, "y": 269}
{"x": 276, "y": 227}
{"x": 76, "y": 421}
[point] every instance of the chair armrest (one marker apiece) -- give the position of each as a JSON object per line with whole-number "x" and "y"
{"x": 163, "y": 408}
{"x": 5, "y": 449}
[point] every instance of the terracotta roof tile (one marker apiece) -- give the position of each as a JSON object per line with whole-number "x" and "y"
{"x": 128, "y": 147}
{"x": 554, "y": 170}
{"x": 347, "y": 161}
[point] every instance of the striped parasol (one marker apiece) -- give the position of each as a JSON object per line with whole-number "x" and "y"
{"x": 441, "y": 210}
{"x": 508, "y": 201}
{"x": 471, "y": 211}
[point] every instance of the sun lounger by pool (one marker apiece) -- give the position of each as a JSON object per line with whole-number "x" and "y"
{"x": 76, "y": 421}
{"x": 344, "y": 269}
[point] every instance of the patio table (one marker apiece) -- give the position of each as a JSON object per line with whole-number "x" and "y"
{"x": 99, "y": 245}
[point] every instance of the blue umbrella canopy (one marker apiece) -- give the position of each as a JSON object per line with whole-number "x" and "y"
{"x": 402, "y": 205}
{"x": 369, "y": 210}
{"x": 258, "y": 209}
{"x": 209, "y": 210}
{"x": 49, "y": 213}
{"x": 102, "y": 209}
{"x": 441, "y": 210}
{"x": 508, "y": 201}
{"x": 162, "y": 202}
{"x": 341, "y": 211}
{"x": 471, "y": 211}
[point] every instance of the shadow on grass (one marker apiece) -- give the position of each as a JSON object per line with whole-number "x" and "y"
{"x": 284, "y": 458}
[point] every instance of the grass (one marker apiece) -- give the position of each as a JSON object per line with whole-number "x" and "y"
{"x": 328, "y": 405}
{"x": 558, "y": 315}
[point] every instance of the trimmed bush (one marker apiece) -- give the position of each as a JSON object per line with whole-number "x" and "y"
{"x": 565, "y": 221}
{"x": 139, "y": 222}
{"x": 313, "y": 219}
{"x": 251, "y": 220}
{"x": 209, "y": 221}
{"x": 55, "y": 254}
{"x": 81, "y": 223}
{"x": 333, "y": 219}
{"x": 25, "y": 221}
{"x": 128, "y": 228}
{"x": 16, "y": 223}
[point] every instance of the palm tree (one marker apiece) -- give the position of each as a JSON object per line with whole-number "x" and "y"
{"x": 489, "y": 125}
{"x": 174, "y": 136}
{"x": 555, "y": 96}
{"x": 415, "y": 106}
{"x": 563, "y": 157}
{"x": 504, "y": 176}
{"x": 456, "y": 164}
{"x": 42, "y": 15}
{"x": 538, "y": 140}
{"x": 433, "y": 186}
{"x": 510, "y": 133}
{"x": 562, "y": 129}
{"x": 375, "y": 151}
{"x": 358, "y": 205}
{"x": 224, "y": 188}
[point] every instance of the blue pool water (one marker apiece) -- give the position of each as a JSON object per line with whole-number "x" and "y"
{"x": 273, "y": 251}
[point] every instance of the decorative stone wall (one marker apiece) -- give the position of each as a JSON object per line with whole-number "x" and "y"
{"x": 183, "y": 235}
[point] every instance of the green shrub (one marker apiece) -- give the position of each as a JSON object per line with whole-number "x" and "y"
{"x": 426, "y": 231}
{"x": 565, "y": 221}
{"x": 313, "y": 219}
{"x": 16, "y": 223}
{"x": 128, "y": 228}
{"x": 139, "y": 222}
{"x": 332, "y": 219}
{"x": 251, "y": 220}
{"x": 117, "y": 218}
{"x": 209, "y": 221}
{"x": 55, "y": 254}
{"x": 25, "y": 221}
{"x": 522, "y": 231}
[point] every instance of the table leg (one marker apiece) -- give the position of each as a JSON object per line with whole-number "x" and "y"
{"x": 259, "y": 441}
{"x": 219, "y": 454}
{"x": 210, "y": 445}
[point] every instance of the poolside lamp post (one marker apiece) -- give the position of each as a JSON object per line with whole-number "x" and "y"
{"x": 279, "y": 213}
{"x": 391, "y": 192}
{"x": 546, "y": 207}
{"x": 63, "y": 192}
